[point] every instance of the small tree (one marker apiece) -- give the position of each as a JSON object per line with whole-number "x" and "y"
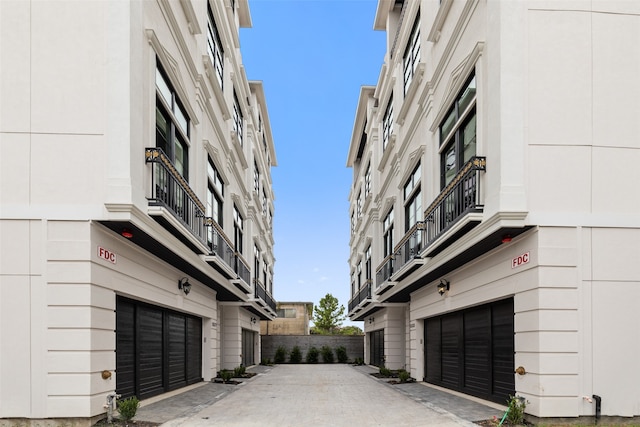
{"x": 312, "y": 355}
{"x": 328, "y": 315}
{"x": 327, "y": 354}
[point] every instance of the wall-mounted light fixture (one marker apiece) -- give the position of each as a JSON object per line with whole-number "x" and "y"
{"x": 253, "y": 320}
{"x": 126, "y": 233}
{"x": 184, "y": 285}
{"x": 443, "y": 287}
{"x": 372, "y": 319}
{"x": 506, "y": 238}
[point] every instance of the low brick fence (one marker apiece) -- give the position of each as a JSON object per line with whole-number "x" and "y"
{"x": 354, "y": 344}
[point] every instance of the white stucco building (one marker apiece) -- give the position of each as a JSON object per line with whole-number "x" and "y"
{"x": 495, "y": 217}
{"x": 136, "y": 202}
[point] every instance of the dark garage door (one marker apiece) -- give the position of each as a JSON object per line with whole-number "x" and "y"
{"x": 376, "y": 348}
{"x": 157, "y": 350}
{"x": 472, "y": 351}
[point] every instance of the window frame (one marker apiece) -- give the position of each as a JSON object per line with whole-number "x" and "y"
{"x": 238, "y": 119}
{"x": 387, "y": 124}
{"x": 172, "y": 110}
{"x": 459, "y": 116}
{"x": 411, "y": 57}
{"x": 214, "y": 47}
{"x": 238, "y": 230}
{"x": 215, "y": 192}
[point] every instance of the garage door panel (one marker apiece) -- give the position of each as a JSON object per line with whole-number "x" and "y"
{"x": 149, "y": 338}
{"x": 433, "y": 350}
{"x": 477, "y": 350}
{"x": 194, "y": 350}
{"x": 125, "y": 349}
{"x": 451, "y": 351}
{"x": 176, "y": 351}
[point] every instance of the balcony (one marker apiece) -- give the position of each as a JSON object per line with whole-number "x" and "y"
{"x": 363, "y": 295}
{"x": 174, "y": 204}
{"x": 383, "y": 274}
{"x": 262, "y": 294}
{"x": 225, "y": 258}
{"x": 407, "y": 252}
{"x": 453, "y": 205}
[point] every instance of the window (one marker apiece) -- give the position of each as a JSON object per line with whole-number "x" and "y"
{"x": 172, "y": 124}
{"x": 215, "y": 193}
{"x": 387, "y": 234}
{"x": 359, "y": 274}
{"x": 264, "y": 203}
{"x": 367, "y": 181}
{"x": 256, "y": 178}
{"x": 353, "y": 223}
{"x": 256, "y": 263}
{"x": 367, "y": 264}
{"x": 237, "y": 118}
{"x": 286, "y": 313}
{"x": 413, "y": 208}
{"x": 412, "y": 54}
{"x": 214, "y": 46}
{"x": 458, "y": 133}
{"x": 387, "y": 123}
{"x": 238, "y": 230}
{"x": 359, "y": 204}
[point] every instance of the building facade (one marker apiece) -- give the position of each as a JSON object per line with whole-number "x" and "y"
{"x": 136, "y": 202}
{"x": 494, "y": 223}
{"x": 293, "y": 319}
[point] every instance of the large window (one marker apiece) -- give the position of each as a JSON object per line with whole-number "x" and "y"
{"x": 256, "y": 178}
{"x": 367, "y": 264}
{"x": 458, "y": 133}
{"x": 387, "y": 234}
{"x": 387, "y": 123}
{"x": 214, "y": 45}
{"x": 359, "y": 204}
{"x": 215, "y": 193}
{"x": 413, "y": 208}
{"x": 367, "y": 180}
{"x": 238, "y": 230}
{"x": 172, "y": 124}
{"x": 237, "y": 118}
{"x": 412, "y": 54}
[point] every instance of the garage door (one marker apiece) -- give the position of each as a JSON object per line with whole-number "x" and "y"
{"x": 376, "y": 348}
{"x": 472, "y": 351}
{"x": 157, "y": 350}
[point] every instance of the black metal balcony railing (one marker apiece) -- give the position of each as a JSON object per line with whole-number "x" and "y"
{"x": 219, "y": 243}
{"x": 262, "y": 293}
{"x": 460, "y": 197}
{"x": 410, "y": 246}
{"x": 242, "y": 269}
{"x": 362, "y": 295}
{"x": 384, "y": 272}
{"x": 171, "y": 191}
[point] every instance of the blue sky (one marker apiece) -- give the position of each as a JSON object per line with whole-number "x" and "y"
{"x": 312, "y": 57}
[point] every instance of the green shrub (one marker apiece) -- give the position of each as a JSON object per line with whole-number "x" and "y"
{"x": 239, "y": 371}
{"x": 296, "y": 355}
{"x": 515, "y": 416}
{"x": 341, "y": 354}
{"x": 128, "y": 408}
{"x": 312, "y": 355}
{"x": 327, "y": 354}
{"x": 385, "y": 372}
{"x": 281, "y": 354}
{"x": 403, "y": 375}
{"x": 226, "y": 375}
{"x": 358, "y": 361}
{"x": 265, "y": 361}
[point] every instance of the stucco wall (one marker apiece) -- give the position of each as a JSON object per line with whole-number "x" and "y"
{"x": 353, "y": 343}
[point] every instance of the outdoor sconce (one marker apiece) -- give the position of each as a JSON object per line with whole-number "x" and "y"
{"x": 184, "y": 285}
{"x": 371, "y": 320}
{"x": 443, "y": 287}
{"x": 253, "y": 320}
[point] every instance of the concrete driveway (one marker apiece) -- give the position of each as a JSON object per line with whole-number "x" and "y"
{"x": 317, "y": 395}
